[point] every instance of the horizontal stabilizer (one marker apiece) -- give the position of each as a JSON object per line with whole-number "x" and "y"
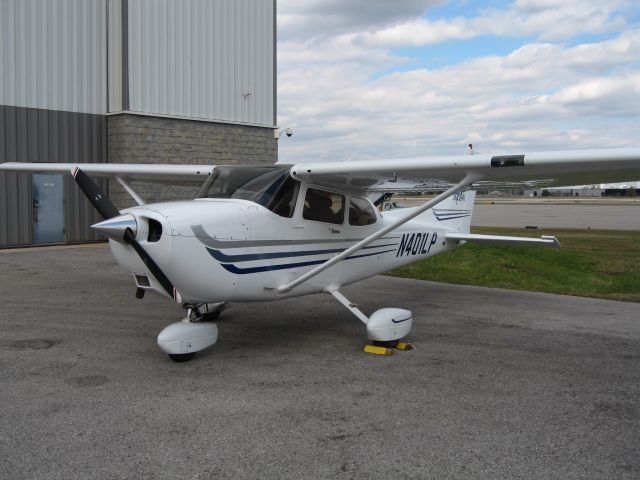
{"x": 544, "y": 241}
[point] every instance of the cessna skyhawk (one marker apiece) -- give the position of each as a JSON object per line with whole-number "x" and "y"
{"x": 259, "y": 233}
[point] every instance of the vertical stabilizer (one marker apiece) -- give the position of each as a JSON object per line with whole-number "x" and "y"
{"x": 456, "y": 211}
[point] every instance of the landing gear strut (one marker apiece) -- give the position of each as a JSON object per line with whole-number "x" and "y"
{"x": 181, "y": 340}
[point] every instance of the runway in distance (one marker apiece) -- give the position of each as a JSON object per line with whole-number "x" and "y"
{"x": 261, "y": 233}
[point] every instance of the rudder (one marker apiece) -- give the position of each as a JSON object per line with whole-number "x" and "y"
{"x": 456, "y": 211}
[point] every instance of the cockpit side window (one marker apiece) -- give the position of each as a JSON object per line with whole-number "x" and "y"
{"x": 323, "y": 206}
{"x": 275, "y": 190}
{"x": 227, "y": 180}
{"x": 361, "y": 212}
{"x": 268, "y": 185}
{"x": 283, "y": 202}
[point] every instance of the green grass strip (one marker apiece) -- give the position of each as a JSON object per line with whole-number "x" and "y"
{"x": 596, "y": 263}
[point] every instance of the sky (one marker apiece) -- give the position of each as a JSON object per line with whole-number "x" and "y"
{"x": 362, "y": 79}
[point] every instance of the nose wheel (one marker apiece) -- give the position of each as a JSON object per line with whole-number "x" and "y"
{"x": 181, "y": 357}
{"x": 182, "y": 340}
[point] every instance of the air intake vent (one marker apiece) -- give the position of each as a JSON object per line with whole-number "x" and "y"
{"x": 142, "y": 281}
{"x": 155, "y": 230}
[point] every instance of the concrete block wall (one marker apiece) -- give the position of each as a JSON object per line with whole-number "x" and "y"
{"x": 146, "y": 139}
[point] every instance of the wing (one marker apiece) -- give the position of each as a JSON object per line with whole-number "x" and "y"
{"x": 157, "y": 173}
{"x": 536, "y": 169}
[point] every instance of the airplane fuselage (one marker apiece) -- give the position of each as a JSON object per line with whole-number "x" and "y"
{"x": 224, "y": 250}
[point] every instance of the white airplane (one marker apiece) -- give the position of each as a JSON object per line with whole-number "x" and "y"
{"x": 259, "y": 233}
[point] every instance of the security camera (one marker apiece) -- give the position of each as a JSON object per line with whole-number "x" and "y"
{"x": 289, "y": 132}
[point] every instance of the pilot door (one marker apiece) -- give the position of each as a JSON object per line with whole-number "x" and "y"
{"x": 319, "y": 229}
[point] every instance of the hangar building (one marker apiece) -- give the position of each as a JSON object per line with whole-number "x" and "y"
{"x": 127, "y": 81}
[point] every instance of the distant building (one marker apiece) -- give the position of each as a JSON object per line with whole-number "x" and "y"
{"x": 566, "y": 192}
{"x": 127, "y": 81}
{"x": 607, "y": 191}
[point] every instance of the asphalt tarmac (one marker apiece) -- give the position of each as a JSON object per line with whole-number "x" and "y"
{"x": 502, "y": 384}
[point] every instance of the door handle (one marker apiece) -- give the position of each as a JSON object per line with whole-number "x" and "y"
{"x": 334, "y": 230}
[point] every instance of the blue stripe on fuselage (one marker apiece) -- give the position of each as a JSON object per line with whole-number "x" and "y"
{"x": 249, "y": 257}
{"x": 243, "y": 271}
{"x": 447, "y": 217}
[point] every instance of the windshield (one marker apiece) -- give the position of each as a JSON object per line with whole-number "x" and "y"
{"x": 270, "y": 186}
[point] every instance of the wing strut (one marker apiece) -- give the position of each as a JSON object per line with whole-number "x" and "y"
{"x": 468, "y": 180}
{"x": 130, "y": 190}
{"x": 204, "y": 188}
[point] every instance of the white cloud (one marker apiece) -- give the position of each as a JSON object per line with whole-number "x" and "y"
{"x": 607, "y": 97}
{"x": 543, "y": 19}
{"x": 305, "y": 19}
{"x": 543, "y": 95}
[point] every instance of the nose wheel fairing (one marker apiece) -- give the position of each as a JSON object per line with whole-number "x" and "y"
{"x": 182, "y": 340}
{"x": 187, "y": 337}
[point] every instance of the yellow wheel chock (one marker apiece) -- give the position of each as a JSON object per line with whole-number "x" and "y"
{"x": 404, "y": 346}
{"x": 378, "y": 350}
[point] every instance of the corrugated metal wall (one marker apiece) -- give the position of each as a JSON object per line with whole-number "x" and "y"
{"x": 34, "y": 135}
{"x": 65, "y": 63}
{"x": 114, "y": 53}
{"x": 211, "y": 59}
{"x": 53, "y": 98}
{"x": 52, "y": 55}
{"x": 16, "y": 218}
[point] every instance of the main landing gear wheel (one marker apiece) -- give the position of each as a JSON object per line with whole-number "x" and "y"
{"x": 385, "y": 344}
{"x": 385, "y": 327}
{"x": 182, "y": 357}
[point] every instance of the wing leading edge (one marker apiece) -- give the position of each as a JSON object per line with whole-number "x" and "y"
{"x": 535, "y": 169}
{"x": 157, "y": 173}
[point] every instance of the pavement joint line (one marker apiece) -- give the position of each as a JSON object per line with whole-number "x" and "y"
{"x": 46, "y": 248}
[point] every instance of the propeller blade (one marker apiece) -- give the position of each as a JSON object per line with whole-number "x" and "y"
{"x": 97, "y": 198}
{"x": 108, "y": 210}
{"x": 153, "y": 267}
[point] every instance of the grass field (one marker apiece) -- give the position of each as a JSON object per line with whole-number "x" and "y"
{"x": 596, "y": 263}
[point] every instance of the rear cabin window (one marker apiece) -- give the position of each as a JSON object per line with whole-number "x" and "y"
{"x": 322, "y": 206}
{"x": 361, "y": 212}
